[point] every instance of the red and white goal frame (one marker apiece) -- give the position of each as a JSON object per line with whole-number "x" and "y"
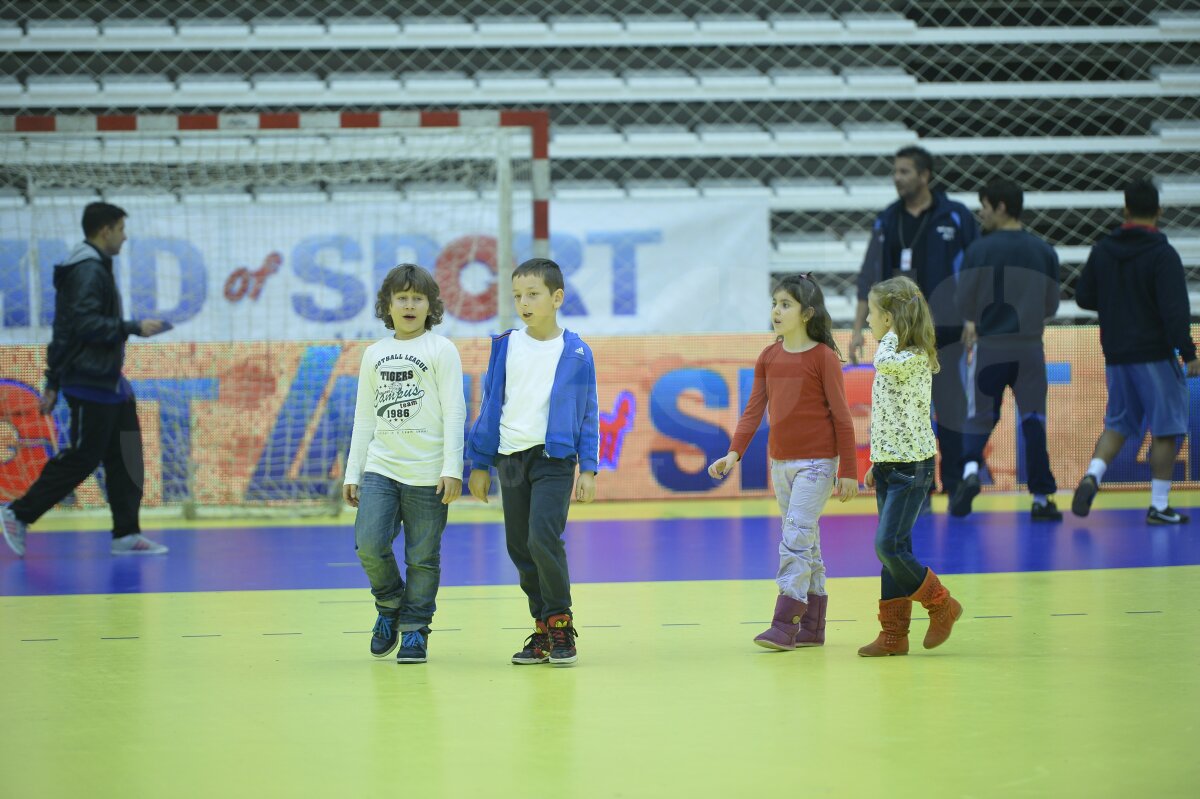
{"x": 537, "y": 122}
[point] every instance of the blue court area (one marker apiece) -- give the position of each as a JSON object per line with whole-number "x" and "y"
{"x": 625, "y": 550}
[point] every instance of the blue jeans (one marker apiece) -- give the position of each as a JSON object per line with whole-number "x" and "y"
{"x": 384, "y": 506}
{"x": 900, "y": 488}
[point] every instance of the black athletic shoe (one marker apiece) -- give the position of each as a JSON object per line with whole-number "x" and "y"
{"x": 1085, "y": 492}
{"x": 385, "y": 636}
{"x": 1045, "y": 513}
{"x": 964, "y": 495}
{"x": 413, "y": 646}
{"x": 1168, "y": 516}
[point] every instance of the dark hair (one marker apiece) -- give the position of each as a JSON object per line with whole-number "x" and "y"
{"x": 805, "y": 291}
{"x": 920, "y": 158}
{"x": 547, "y": 270}
{"x": 1141, "y": 198}
{"x": 1003, "y": 190}
{"x": 97, "y": 216}
{"x": 409, "y": 277}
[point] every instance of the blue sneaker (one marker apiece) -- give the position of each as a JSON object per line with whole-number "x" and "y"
{"x": 413, "y": 644}
{"x": 385, "y": 636}
{"x": 14, "y": 531}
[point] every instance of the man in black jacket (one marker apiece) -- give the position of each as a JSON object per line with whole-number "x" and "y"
{"x": 84, "y": 361}
{"x": 1134, "y": 279}
{"x": 1007, "y": 289}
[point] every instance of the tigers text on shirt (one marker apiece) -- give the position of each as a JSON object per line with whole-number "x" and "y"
{"x": 410, "y": 413}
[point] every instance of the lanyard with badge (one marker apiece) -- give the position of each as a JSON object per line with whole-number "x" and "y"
{"x": 906, "y": 252}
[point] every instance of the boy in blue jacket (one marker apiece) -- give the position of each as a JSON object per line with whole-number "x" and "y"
{"x": 539, "y": 419}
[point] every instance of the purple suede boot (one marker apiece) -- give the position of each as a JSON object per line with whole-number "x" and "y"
{"x": 812, "y": 626}
{"x": 784, "y": 625}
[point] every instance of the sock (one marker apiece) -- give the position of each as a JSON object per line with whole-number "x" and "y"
{"x": 970, "y": 468}
{"x": 1040, "y": 499}
{"x": 1159, "y": 489}
{"x": 1097, "y": 468}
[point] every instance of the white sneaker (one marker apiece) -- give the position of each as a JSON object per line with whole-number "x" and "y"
{"x": 14, "y": 531}
{"x": 136, "y": 544}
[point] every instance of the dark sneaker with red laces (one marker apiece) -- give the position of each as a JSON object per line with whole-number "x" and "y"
{"x": 562, "y": 640}
{"x": 1166, "y": 516}
{"x": 536, "y": 649}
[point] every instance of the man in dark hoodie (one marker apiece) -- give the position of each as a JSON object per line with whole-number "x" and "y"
{"x": 1134, "y": 279}
{"x": 1007, "y": 289}
{"x": 84, "y": 361}
{"x": 923, "y": 235}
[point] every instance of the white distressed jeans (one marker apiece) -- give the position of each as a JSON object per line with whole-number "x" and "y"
{"x": 802, "y": 488}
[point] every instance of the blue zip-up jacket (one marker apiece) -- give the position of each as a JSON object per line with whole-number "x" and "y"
{"x": 950, "y": 230}
{"x": 573, "y": 428}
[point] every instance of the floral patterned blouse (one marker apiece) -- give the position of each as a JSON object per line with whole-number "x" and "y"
{"x": 900, "y": 396}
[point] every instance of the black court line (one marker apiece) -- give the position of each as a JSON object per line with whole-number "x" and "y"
{"x": 599, "y": 626}
{"x": 514, "y": 628}
{"x": 754, "y": 622}
{"x": 683, "y": 624}
{"x": 32, "y": 640}
{"x": 1068, "y": 614}
{"x": 1143, "y": 611}
{"x": 356, "y": 632}
{"x": 120, "y": 638}
{"x": 283, "y": 633}
{"x": 991, "y": 617}
{"x": 204, "y": 635}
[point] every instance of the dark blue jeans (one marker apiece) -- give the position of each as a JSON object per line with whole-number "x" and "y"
{"x": 900, "y": 488}
{"x": 536, "y": 491}
{"x": 384, "y": 507}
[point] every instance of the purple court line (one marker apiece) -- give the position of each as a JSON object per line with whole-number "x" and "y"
{"x": 284, "y": 558}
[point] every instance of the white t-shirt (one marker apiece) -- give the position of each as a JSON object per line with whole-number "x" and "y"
{"x": 408, "y": 421}
{"x": 529, "y": 376}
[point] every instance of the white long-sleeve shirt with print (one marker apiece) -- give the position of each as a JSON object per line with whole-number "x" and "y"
{"x": 409, "y": 417}
{"x": 900, "y": 397}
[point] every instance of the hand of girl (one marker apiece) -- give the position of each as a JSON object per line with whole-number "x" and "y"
{"x": 722, "y": 466}
{"x": 869, "y": 479}
{"x": 847, "y": 489}
{"x": 350, "y": 494}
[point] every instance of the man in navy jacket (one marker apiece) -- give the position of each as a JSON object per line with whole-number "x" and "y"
{"x": 923, "y": 235}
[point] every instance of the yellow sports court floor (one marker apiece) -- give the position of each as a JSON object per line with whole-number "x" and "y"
{"x": 1072, "y": 674}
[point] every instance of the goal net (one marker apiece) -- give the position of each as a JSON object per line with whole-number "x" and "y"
{"x": 264, "y": 240}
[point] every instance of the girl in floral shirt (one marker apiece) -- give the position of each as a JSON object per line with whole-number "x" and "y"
{"x": 902, "y": 451}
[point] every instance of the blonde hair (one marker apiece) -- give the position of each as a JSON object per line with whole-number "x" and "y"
{"x": 911, "y": 319}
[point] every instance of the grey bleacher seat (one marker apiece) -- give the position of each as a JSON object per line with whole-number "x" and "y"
{"x": 290, "y": 194}
{"x": 344, "y": 32}
{"x": 10, "y": 90}
{"x": 196, "y": 32}
{"x": 504, "y": 28}
{"x": 871, "y": 191}
{"x": 1178, "y": 131}
{"x": 740, "y": 188}
{"x": 506, "y": 81}
{"x": 658, "y": 80}
{"x": 648, "y": 27}
{"x": 134, "y": 198}
{"x": 732, "y": 24}
{"x": 213, "y": 87}
{"x": 896, "y": 80}
{"x": 741, "y": 135}
{"x": 288, "y": 87}
{"x": 1178, "y": 78}
{"x": 135, "y": 89}
{"x": 741, "y": 80}
{"x": 363, "y": 86}
{"x": 438, "y": 83}
{"x": 11, "y": 34}
{"x": 816, "y": 193}
{"x": 885, "y": 135}
{"x": 59, "y": 33}
{"x": 53, "y": 89}
{"x": 597, "y": 189}
{"x": 284, "y": 32}
{"x": 1181, "y": 22}
{"x": 599, "y": 28}
{"x": 217, "y": 197}
{"x": 676, "y": 136}
{"x": 136, "y": 32}
{"x": 437, "y": 27}
{"x": 661, "y": 189}
{"x": 878, "y": 23}
{"x": 583, "y": 83}
{"x": 806, "y": 79}
{"x": 816, "y": 25}
{"x": 808, "y": 135}
{"x": 582, "y": 138}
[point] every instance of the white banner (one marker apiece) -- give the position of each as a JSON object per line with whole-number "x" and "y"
{"x": 311, "y": 270}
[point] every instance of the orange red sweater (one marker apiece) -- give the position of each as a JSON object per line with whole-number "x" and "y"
{"x": 805, "y": 400}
